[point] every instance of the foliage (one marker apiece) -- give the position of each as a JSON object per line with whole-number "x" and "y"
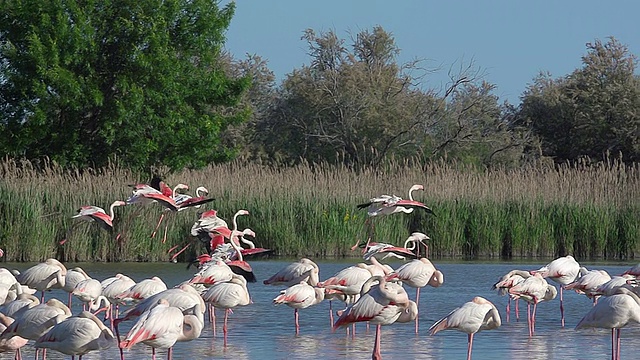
{"x": 593, "y": 112}
{"x": 83, "y": 82}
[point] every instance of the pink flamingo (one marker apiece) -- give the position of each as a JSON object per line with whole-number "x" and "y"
{"x": 611, "y": 286}
{"x": 563, "y": 270}
{"x": 14, "y": 343}
{"x": 506, "y": 282}
{"x": 46, "y": 275}
{"x": 418, "y": 274}
{"x": 634, "y": 270}
{"x": 97, "y": 214}
{"x": 73, "y": 277}
{"x": 212, "y": 272}
{"x": 227, "y": 296}
{"x": 613, "y": 312}
{"x": 300, "y": 296}
{"x": 77, "y": 335}
{"x": 302, "y": 270}
{"x": 183, "y": 202}
{"x": 534, "y": 289}
{"x": 380, "y": 304}
{"x": 111, "y": 288}
{"x": 588, "y": 284}
{"x": 391, "y": 204}
{"x": 89, "y": 291}
{"x": 474, "y": 316}
{"x": 162, "y": 326}
{"x": 143, "y": 289}
{"x": 23, "y": 300}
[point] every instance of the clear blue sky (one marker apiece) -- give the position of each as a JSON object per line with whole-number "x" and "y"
{"x": 511, "y": 41}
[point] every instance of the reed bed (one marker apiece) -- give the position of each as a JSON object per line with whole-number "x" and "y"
{"x": 310, "y": 210}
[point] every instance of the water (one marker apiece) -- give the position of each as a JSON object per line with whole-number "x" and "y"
{"x": 264, "y": 331}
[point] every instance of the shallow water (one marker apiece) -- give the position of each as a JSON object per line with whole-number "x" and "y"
{"x": 264, "y": 331}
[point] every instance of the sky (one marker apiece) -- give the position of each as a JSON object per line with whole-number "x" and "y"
{"x": 509, "y": 41}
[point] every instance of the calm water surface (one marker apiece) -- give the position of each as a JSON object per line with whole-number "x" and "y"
{"x": 264, "y": 331}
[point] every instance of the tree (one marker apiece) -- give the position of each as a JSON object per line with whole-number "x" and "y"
{"x": 84, "y": 82}
{"x": 593, "y": 112}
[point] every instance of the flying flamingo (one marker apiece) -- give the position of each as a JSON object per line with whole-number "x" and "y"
{"x": 589, "y": 282}
{"x": 534, "y": 289}
{"x": 418, "y": 274}
{"x": 77, "y": 335}
{"x": 73, "y": 277}
{"x": 46, "y": 275}
{"x": 227, "y": 296}
{"x": 97, "y": 214}
{"x": 300, "y": 296}
{"x": 302, "y": 270}
{"x": 380, "y": 304}
{"x": 184, "y": 201}
{"x": 11, "y": 344}
{"x": 613, "y": 312}
{"x": 563, "y": 270}
{"x": 161, "y": 327}
{"x": 506, "y": 282}
{"x": 474, "y": 316}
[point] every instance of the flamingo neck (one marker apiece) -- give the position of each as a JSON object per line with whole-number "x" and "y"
{"x": 191, "y": 328}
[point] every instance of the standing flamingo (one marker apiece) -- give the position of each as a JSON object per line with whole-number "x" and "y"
{"x": 97, "y": 214}
{"x": 506, "y": 282}
{"x": 474, "y": 316}
{"x": 14, "y": 343}
{"x": 380, "y": 304}
{"x": 300, "y": 296}
{"x": 227, "y": 296}
{"x": 111, "y": 288}
{"x": 534, "y": 289}
{"x": 89, "y": 291}
{"x": 302, "y": 270}
{"x": 23, "y": 300}
{"x": 563, "y": 270}
{"x": 44, "y": 276}
{"x": 143, "y": 289}
{"x": 613, "y": 312}
{"x": 418, "y": 274}
{"x": 589, "y": 283}
{"x": 77, "y": 335}
{"x": 161, "y": 327}
{"x": 73, "y": 277}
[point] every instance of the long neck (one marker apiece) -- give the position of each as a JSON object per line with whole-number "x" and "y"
{"x": 191, "y": 328}
{"x": 236, "y": 247}
{"x": 111, "y": 213}
{"x": 367, "y": 284}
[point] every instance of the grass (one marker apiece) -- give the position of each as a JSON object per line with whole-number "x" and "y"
{"x": 539, "y": 211}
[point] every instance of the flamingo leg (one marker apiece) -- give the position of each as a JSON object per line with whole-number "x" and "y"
{"x": 376, "y": 346}
{"x": 508, "y": 310}
{"x": 529, "y": 319}
{"x": 224, "y": 327}
{"x": 155, "y": 230}
{"x": 561, "y": 307}
{"x": 533, "y": 318}
{"x": 212, "y": 317}
{"x": 70, "y": 297}
{"x": 116, "y": 323}
{"x": 295, "y": 314}
{"x": 517, "y": 312}
{"x": 170, "y": 353}
{"x": 164, "y": 237}
{"x": 153, "y": 353}
{"x": 330, "y": 313}
{"x": 613, "y": 344}
{"x": 618, "y": 344}
{"x": 417, "y": 304}
{"x": 470, "y": 346}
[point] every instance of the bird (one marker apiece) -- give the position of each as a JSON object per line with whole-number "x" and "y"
{"x": 89, "y": 291}
{"x": 613, "y": 312}
{"x": 77, "y": 335}
{"x": 73, "y": 277}
{"x": 300, "y": 296}
{"x": 610, "y": 287}
{"x": 634, "y": 270}
{"x": 381, "y": 303}
{"x": 114, "y": 286}
{"x": 563, "y": 270}
{"x": 302, "y": 270}
{"x": 534, "y": 289}
{"x": 14, "y": 343}
{"x": 23, "y": 300}
{"x": 183, "y": 202}
{"x": 474, "y": 316}
{"x": 589, "y": 283}
{"x": 228, "y": 295}
{"x": 506, "y": 282}
{"x": 97, "y": 214}
{"x": 390, "y": 204}
{"x": 46, "y": 275}
{"x": 161, "y": 327}
{"x": 143, "y": 289}
{"x": 418, "y": 274}
{"x": 213, "y": 272}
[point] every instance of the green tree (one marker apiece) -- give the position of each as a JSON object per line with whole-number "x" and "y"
{"x": 593, "y": 112}
{"x": 83, "y": 82}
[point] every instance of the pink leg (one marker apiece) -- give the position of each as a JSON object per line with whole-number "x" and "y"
{"x": 153, "y": 353}
{"x": 376, "y": 346}
{"x": 164, "y": 238}
{"x": 417, "y": 303}
{"x": 561, "y": 307}
{"x": 295, "y": 314}
{"x": 529, "y": 319}
{"x": 508, "y": 310}
{"x": 330, "y": 314}
{"x": 533, "y": 318}
{"x": 224, "y": 327}
{"x": 170, "y": 353}
{"x": 618, "y": 344}
{"x": 517, "y": 313}
{"x": 212, "y": 317}
{"x": 153, "y": 234}
{"x": 470, "y": 336}
{"x": 613, "y": 344}
{"x": 69, "y": 305}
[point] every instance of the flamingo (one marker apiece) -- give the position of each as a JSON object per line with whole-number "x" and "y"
{"x": 381, "y": 304}
{"x": 634, "y": 270}
{"x": 89, "y": 291}
{"x": 474, "y": 316}
{"x": 302, "y": 270}
{"x": 346, "y": 282}
{"x": 23, "y": 300}
{"x": 161, "y": 327}
{"x": 506, "y": 282}
{"x": 613, "y": 312}
{"x": 534, "y": 289}
{"x": 227, "y": 296}
{"x": 14, "y": 343}
{"x": 73, "y": 277}
{"x": 610, "y": 287}
{"x": 111, "y": 288}
{"x": 47, "y": 275}
{"x": 143, "y": 289}
{"x": 213, "y": 272}
{"x": 418, "y": 274}
{"x": 300, "y": 296}
{"x": 563, "y": 270}
{"x": 77, "y": 335}
{"x": 183, "y": 202}
{"x": 588, "y": 283}
{"x": 97, "y": 214}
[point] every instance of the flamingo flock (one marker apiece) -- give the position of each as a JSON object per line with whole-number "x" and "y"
{"x": 370, "y": 291}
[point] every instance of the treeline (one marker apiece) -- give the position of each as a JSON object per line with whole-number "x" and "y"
{"x": 310, "y": 210}
{"x": 147, "y": 84}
